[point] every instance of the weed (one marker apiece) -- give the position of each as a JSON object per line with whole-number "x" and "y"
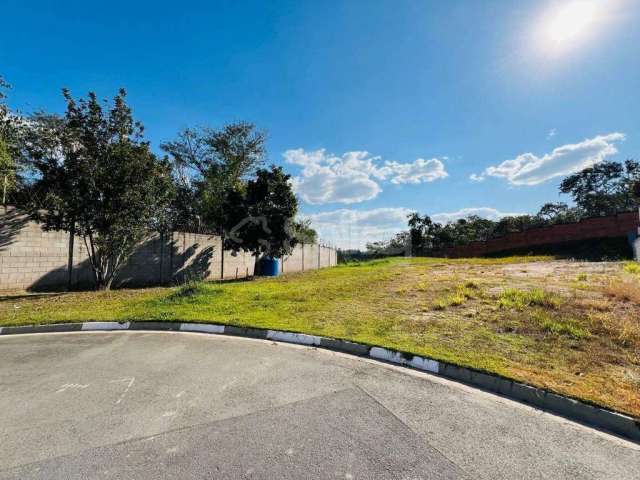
{"x": 472, "y": 284}
{"x": 460, "y": 296}
{"x": 188, "y": 290}
{"x": 582, "y": 277}
{"x": 627, "y": 291}
{"x": 560, "y": 326}
{"x": 521, "y": 299}
{"x": 632, "y": 267}
{"x": 440, "y": 304}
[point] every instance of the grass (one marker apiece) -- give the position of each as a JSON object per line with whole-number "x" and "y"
{"x": 632, "y": 267}
{"x": 521, "y": 299}
{"x": 520, "y": 317}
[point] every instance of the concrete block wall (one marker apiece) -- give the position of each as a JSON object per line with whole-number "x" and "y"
{"x": 292, "y": 263}
{"x": 33, "y": 259}
{"x": 309, "y": 257}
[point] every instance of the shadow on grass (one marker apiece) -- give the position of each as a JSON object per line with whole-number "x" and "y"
{"x": 30, "y": 296}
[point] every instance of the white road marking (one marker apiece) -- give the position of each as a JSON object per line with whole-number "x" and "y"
{"x": 72, "y": 386}
{"x": 126, "y": 379}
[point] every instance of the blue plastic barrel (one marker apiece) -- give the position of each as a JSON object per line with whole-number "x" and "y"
{"x": 270, "y": 267}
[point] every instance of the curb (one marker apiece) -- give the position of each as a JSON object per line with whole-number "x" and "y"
{"x": 613, "y": 422}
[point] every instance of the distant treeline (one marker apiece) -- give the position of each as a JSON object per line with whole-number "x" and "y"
{"x": 603, "y": 189}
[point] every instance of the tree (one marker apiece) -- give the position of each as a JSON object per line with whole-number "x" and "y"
{"x": 7, "y": 172}
{"x": 259, "y": 218}
{"x": 209, "y": 162}
{"x": 605, "y": 188}
{"x": 418, "y": 227}
{"x": 553, "y": 213}
{"x": 303, "y": 232}
{"x": 9, "y": 153}
{"x": 397, "y": 245}
{"x": 98, "y": 179}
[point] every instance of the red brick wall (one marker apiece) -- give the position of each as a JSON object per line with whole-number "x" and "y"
{"x": 589, "y": 228}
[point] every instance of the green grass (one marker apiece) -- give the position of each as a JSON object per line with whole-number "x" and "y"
{"x": 457, "y": 311}
{"x": 521, "y": 299}
{"x": 462, "y": 293}
{"x": 560, "y": 326}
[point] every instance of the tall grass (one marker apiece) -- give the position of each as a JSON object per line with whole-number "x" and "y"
{"x": 521, "y": 299}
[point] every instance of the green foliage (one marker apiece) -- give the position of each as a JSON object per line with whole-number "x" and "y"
{"x": 303, "y": 232}
{"x": 208, "y": 164}
{"x": 98, "y": 178}
{"x": 258, "y": 218}
{"x": 560, "y": 326}
{"x": 605, "y": 188}
{"x": 462, "y": 293}
{"x": 399, "y": 244}
{"x": 521, "y": 299}
{"x": 7, "y": 172}
{"x": 189, "y": 290}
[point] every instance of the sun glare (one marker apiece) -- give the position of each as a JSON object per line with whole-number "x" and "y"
{"x": 568, "y": 23}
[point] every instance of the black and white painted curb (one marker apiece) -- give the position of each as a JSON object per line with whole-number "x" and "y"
{"x": 572, "y": 409}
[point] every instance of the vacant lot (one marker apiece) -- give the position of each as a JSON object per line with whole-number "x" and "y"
{"x": 570, "y": 327}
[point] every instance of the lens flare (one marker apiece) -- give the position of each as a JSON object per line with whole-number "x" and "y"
{"x": 568, "y": 23}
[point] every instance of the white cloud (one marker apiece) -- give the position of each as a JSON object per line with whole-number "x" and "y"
{"x": 355, "y": 176}
{"x": 552, "y": 133}
{"x": 420, "y": 171}
{"x": 348, "y": 228}
{"x": 528, "y": 169}
{"x": 476, "y": 178}
{"x": 484, "y": 212}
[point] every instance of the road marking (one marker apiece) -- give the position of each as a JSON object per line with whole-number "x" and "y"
{"x": 126, "y": 379}
{"x": 72, "y": 386}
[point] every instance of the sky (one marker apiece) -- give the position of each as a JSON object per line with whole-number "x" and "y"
{"x": 377, "y": 108}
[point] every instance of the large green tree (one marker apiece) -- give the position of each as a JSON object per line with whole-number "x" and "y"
{"x": 604, "y": 189}
{"x": 259, "y": 217}
{"x": 97, "y": 178}
{"x": 207, "y": 164}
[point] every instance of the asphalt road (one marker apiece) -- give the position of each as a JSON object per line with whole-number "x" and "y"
{"x": 133, "y": 405}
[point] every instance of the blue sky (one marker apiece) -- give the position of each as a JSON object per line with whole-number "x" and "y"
{"x": 435, "y": 92}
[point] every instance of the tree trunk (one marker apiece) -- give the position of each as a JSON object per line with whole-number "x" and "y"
{"x": 256, "y": 267}
{"x": 222, "y": 256}
{"x": 72, "y": 236}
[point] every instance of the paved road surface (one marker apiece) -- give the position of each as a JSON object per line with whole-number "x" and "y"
{"x": 131, "y": 405}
